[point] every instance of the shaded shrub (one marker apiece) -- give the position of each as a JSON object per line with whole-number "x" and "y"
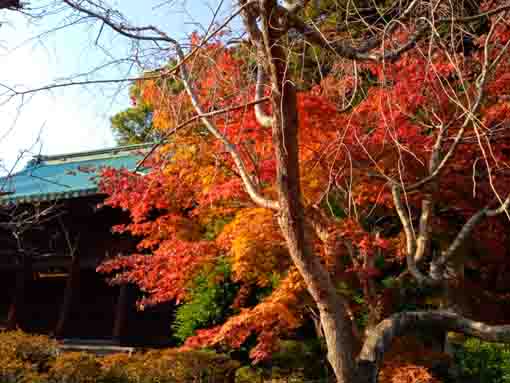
{"x": 14, "y": 370}
{"x": 75, "y": 367}
{"x": 410, "y": 361}
{"x": 169, "y": 366}
{"x": 117, "y": 368}
{"x": 139, "y": 368}
{"x": 296, "y": 360}
{"x": 247, "y": 374}
{"x": 195, "y": 366}
{"x": 36, "y": 350}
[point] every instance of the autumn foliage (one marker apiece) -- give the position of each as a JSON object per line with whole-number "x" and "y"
{"x": 189, "y": 207}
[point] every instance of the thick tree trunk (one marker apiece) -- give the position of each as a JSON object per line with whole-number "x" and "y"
{"x": 72, "y": 285}
{"x": 335, "y": 321}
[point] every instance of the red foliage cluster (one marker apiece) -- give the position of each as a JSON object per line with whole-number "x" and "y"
{"x": 192, "y": 207}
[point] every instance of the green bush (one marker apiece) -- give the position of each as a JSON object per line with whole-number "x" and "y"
{"x": 483, "y": 362}
{"x": 211, "y": 295}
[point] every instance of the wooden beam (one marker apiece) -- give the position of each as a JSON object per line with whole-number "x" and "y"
{"x": 71, "y": 290}
{"x": 17, "y": 309}
{"x": 121, "y": 313}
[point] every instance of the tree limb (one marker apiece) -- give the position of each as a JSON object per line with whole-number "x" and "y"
{"x": 470, "y": 114}
{"x": 250, "y": 186}
{"x": 438, "y": 266}
{"x": 380, "y": 339}
{"x": 190, "y": 121}
{"x": 411, "y": 245}
{"x": 345, "y": 49}
{"x": 160, "y": 36}
{"x": 262, "y": 117}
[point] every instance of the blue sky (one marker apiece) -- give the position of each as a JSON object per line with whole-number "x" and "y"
{"x": 75, "y": 118}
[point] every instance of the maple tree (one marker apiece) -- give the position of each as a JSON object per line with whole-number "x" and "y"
{"x": 379, "y": 179}
{"x": 197, "y": 189}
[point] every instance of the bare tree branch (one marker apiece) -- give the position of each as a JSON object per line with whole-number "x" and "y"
{"x": 411, "y": 244}
{"x": 251, "y": 188}
{"x": 160, "y": 36}
{"x": 192, "y": 120}
{"x": 416, "y": 245}
{"x": 438, "y": 266}
{"x": 262, "y": 118}
{"x": 345, "y": 49}
{"x": 470, "y": 115}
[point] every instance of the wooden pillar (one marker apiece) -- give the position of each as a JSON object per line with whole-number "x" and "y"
{"x": 71, "y": 290}
{"x": 17, "y": 309}
{"x": 121, "y": 312}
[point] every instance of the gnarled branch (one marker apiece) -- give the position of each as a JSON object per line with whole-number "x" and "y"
{"x": 380, "y": 339}
{"x": 438, "y": 266}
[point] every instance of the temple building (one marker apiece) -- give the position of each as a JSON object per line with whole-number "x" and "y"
{"x": 54, "y": 232}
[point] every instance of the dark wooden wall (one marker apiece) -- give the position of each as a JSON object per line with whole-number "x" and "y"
{"x": 50, "y": 285}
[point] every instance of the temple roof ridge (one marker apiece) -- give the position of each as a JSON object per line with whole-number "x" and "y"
{"x": 89, "y": 154}
{"x": 68, "y": 175}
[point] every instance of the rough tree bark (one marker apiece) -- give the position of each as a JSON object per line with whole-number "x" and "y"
{"x": 335, "y": 321}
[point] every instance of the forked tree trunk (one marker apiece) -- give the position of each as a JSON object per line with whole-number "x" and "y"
{"x": 335, "y": 321}
{"x": 334, "y": 318}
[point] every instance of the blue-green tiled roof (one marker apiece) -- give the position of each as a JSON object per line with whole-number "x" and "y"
{"x": 47, "y": 178}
